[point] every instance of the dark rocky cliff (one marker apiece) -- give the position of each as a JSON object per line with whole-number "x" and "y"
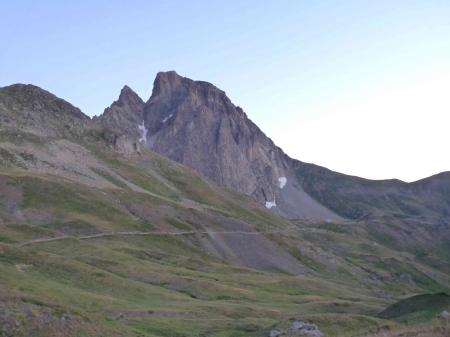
{"x": 196, "y": 124}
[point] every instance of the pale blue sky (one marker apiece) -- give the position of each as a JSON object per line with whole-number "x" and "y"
{"x": 361, "y": 87}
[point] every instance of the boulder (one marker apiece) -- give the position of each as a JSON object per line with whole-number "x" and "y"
{"x": 305, "y": 329}
{"x": 274, "y": 332}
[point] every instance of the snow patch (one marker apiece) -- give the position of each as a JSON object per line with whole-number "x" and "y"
{"x": 144, "y": 133}
{"x": 282, "y": 181}
{"x": 165, "y": 119}
{"x": 269, "y": 204}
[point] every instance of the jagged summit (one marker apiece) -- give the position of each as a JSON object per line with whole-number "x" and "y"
{"x": 169, "y": 82}
{"x": 129, "y": 97}
{"x": 128, "y": 106}
{"x": 122, "y": 118}
{"x": 170, "y": 91}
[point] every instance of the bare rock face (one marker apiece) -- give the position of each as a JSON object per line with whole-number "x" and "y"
{"x": 196, "y": 124}
{"x": 122, "y": 119}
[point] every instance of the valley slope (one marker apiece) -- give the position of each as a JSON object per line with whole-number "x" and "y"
{"x": 101, "y": 235}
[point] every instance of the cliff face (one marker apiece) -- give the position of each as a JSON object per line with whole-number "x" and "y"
{"x": 196, "y": 124}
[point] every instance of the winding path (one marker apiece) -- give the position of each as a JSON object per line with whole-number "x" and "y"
{"x": 87, "y": 237}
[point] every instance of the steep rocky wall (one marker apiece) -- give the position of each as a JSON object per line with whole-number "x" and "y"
{"x": 196, "y": 124}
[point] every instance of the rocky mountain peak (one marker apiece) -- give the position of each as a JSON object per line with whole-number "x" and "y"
{"x": 171, "y": 86}
{"x": 129, "y": 98}
{"x": 196, "y": 124}
{"x": 123, "y": 118}
{"x": 165, "y": 82}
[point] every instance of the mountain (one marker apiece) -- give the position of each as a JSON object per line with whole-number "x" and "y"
{"x": 102, "y": 235}
{"x": 197, "y": 125}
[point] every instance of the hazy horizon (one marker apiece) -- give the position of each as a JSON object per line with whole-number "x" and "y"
{"x": 362, "y": 89}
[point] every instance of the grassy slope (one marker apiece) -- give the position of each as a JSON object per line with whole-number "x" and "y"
{"x": 155, "y": 285}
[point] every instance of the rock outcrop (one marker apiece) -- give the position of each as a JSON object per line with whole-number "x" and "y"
{"x": 275, "y": 332}
{"x": 305, "y": 329}
{"x": 298, "y": 328}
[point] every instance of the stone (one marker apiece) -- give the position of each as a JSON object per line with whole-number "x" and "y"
{"x": 274, "y": 332}
{"x": 297, "y": 326}
{"x": 445, "y": 314}
{"x": 305, "y": 329}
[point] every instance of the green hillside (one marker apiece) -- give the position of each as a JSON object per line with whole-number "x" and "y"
{"x": 150, "y": 248}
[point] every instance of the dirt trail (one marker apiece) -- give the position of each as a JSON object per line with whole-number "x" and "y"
{"x": 87, "y": 237}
